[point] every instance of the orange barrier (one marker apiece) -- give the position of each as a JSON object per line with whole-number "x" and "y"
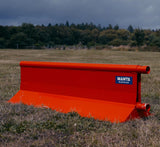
{"x": 103, "y": 91}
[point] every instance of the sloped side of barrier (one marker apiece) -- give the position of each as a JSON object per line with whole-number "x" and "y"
{"x": 105, "y": 92}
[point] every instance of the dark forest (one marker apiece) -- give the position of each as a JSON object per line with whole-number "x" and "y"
{"x": 84, "y": 34}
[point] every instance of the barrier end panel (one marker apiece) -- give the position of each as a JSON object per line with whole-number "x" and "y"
{"x": 136, "y": 114}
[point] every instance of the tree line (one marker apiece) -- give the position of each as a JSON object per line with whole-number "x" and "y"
{"x": 40, "y": 36}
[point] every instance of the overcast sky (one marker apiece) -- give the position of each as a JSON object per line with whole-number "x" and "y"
{"x": 139, "y": 13}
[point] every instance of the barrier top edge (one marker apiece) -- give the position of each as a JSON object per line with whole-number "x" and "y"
{"x": 87, "y": 66}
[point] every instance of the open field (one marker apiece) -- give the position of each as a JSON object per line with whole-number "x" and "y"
{"x": 22, "y": 125}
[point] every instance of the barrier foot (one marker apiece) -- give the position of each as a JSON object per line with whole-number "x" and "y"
{"x": 98, "y": 109}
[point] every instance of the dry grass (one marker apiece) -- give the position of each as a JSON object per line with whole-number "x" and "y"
{"x": 22, "y": 125}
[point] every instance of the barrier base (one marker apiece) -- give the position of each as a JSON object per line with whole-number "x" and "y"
{"x": 98, "y": 109}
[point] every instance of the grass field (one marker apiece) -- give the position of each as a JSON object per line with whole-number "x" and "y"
{"x": 22, "y": 125}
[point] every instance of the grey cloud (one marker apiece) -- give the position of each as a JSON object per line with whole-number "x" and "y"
{"x": 142, "y": 13}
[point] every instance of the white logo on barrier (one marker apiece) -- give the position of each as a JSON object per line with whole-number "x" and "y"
{"x": 124, "y": 80}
